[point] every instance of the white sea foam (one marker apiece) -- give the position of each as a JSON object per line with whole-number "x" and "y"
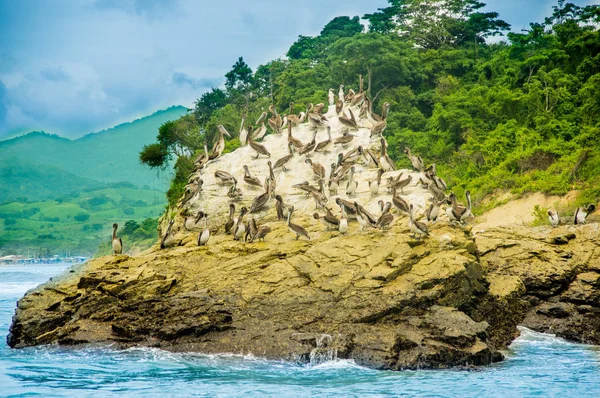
{"x": 12, "y": 289}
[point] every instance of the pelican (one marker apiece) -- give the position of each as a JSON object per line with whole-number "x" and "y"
{"x": 243, "y": 131}
{"x": 385, "y": 110}
{"x": 191, "y": 222}
{"x": 261, "y": 200}
{"x": 281, "y": 208}
{"x": 353, "y": 155}
{"x": 261, "y": 233}
{"x": 400, "y": 184}
{"x": 467, "y": 212}
{"x": 205, "y": 234}
{"x": 202, "y": 158}
{"x": 339, "y": 105}
{"x": 384, "y": 159}
{"x": 348, "y": 207}
{"x": 433, "y": 211}
{"x": 349, "y": 96}
{"x": 325, "y": 145}
{"x": 344, "y": 140}
{"x": 316, "y": 119}
{"x": 260, "y": 149}
{"x": 219, "y": 146}
{"x": 117, "y": 243}
{"x": 331, "y": 96}
{"x": 310, "y": 146}
{"x": 295, "y": 228}
{"x": 239, "y": 228}
{"x": 231, "y": 222}
{"x": 333, "y": 181}
{"x": 376, "y": 182}
{"x": 456, "y": 210}
{"x": 371, "y": 158}
{"x": 192, "y": 191}
{"x": 399, "y": 202}
{"x": 284, "y": 160}
{"x": 582, "y": 212}
{"x": 294, "y": 141}
{"x": 348, "y": 122}
{"x": 362, "y": 219}
{"x": 416, "y": 161}
{"x": 225, "y": 177}
{"x": 319, "y": 196}
{"x": 386, "y": 217}
{"x": 553, "y": 218}
{"x": 272, "y": 180}
{"x": 248, "y": 179}
{"x": 329, "y": 220}
{"x": 234, "y": 192}
{"x": 343, "y": 228}
{"x": 416, "y": 227}
{"x": 251, "y": 230}
{"x": 164, "y": 241}
{"x": 378, "y": 128}
{"x": 352, "y": 185}
{"x": 341, "y": 96}
{"x": 317, "y": 168}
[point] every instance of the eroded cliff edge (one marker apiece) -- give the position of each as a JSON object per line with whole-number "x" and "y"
{"x": 378, "y": 297}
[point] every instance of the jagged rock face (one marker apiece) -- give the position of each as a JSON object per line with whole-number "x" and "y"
{"x": 379, "y": 297}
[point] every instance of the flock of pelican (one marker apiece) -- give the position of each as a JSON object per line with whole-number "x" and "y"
{"x": 340, "y": 176}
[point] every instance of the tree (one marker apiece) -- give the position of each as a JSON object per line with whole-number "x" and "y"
{"x": 239, "y": 77}
{"x": 209, "y": 102}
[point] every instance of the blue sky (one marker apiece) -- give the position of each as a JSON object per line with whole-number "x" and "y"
{"x": 71, "y": 67}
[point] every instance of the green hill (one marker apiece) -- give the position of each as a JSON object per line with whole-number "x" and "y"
{"x": 42, "y": 166}
{"x": 60, "y": 194}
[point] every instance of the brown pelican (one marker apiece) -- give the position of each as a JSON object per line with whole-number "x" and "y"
{"x": 319, "y": 108}
{"x": 361, "y": 218}
{"x": 261, "y": 130}
{"x": 352, "y": 185}
{"x": 117, "y": 243}
{"x": 341, "y": 96}
{"x": 261, "y": 200}
{"x": 339, "y": 105}
{"x": 306, "y": 187}
{"x": 251, "y": 230}
{"x": 348, "y": 207}
{"x": 202, "y": 158}
{"x": 433, "y": 211}
{"x": 231, "y": 222}
{"x": 331, "y": 97}
{"x": 281, "y": 208}
{"x": 295, "y": 228}
{"x": 344, "y": 140}
{"x": 219, "y": 146}
{"x": 319, "y": 196}
{"x": 416, "y": 227}
{"x": 239, "y": 229}
{"x": 275, "y": 122}
{"x": 192, "y": 191}
{"x": 234, "y": 192}
{"x": 310, "y": 146}
{"x": 329, "y": 220}
{"x": 553, "y": 218}
{"x": 416, "y": 161}
{"x": 386, "y": 218}
{"x": 248, "y": 179}
{"x": 395, "y": 185}
{"x": 316, "y": 119}
{"x": 260, "y": 149}
{"x": 333, "y": 181}
{"x": 243, "y": 131}
{"x": 349, "y": 95}
{"x": 261, "y": 233}
{"x": 376, "y": 182}
{"x": 317, "y": 168}
{"x": 456, "y": 210}
{"x": 384, "y": 159}
{"x": 191, "y": 221}
{"x": 164, "y": 241}
{"x": 353, "y": 155}
{"x": 272, "y": 180}
{"x": 348, "y": 122}
{"x": 343, "y": 228}
{"x": 467, "y": 212}
{"x": 294, "y": 141}
{"x": 284, "y": 160}
{"x": 399, "y": 202}
{"x": 205, "y": 233}
{"x": 378, "y": 128}
{"x": 371, "y": 158}
{"x": 385, "y": 111}
{"x": 225, "y": 177}
{"x": 325, "y": 145}
{"x": 581, "y": 213}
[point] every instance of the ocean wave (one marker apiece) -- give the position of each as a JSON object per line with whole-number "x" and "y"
{"x": 12, "y": 289}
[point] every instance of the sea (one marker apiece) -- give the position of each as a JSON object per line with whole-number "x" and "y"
{"x": 536, "y": 365}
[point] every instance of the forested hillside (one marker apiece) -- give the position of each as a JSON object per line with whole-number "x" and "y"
{"x": 521, "y": 114}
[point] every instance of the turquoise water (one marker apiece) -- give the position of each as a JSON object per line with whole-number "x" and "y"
{"x": 538, "y": 365}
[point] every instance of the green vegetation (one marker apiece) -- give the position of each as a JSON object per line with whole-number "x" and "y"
{"x": 59, "y": 194}
{"x": 81, "y": 223}
{"x": 136, "y": 236}
{"x": 520, "y": 115}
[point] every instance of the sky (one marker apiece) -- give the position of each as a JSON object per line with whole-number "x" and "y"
{"x": 71, "y": 67}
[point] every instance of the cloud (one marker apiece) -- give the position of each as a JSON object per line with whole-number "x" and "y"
{"x": 145, "y": 8}
{"x": 55, "y": 74}
{"x": 182, "y": 79}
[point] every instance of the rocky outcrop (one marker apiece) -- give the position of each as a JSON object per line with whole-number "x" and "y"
{"x": 378, "y": 297}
